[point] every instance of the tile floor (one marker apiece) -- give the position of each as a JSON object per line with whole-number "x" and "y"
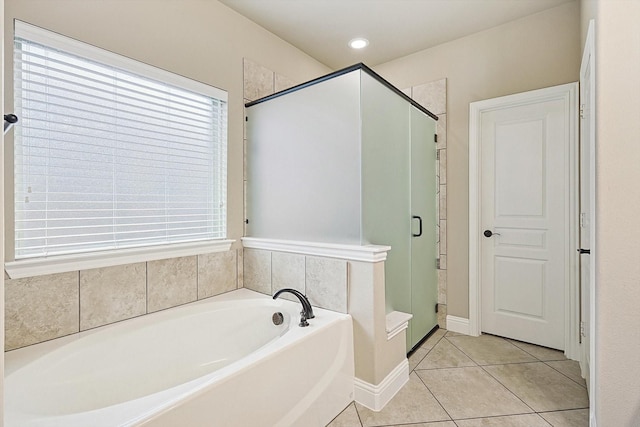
{"x": 487, "y": 381}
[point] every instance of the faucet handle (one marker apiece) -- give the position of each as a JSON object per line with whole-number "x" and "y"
{"x": 303, "y": 320}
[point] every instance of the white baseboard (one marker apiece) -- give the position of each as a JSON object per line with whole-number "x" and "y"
{"x": 458, "y": 324}
{"x": 375, "y": 397}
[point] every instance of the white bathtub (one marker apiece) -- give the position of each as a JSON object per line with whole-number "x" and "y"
{"x": 217, "y": 362}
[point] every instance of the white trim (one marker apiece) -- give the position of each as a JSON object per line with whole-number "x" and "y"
{"x": 64, "y": 263}
{"x": 85, "y": 50}
{"x": 589, "y": 56}
{"x": 375, "y": 397}
{"x": 475, "y": 172}
{"x": 397, "y": 321}
{"x": 366, "y": 253}
{"x": 458, "y": 324}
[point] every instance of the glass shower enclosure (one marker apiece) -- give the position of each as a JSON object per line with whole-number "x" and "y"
{"x": 350, "y": 159}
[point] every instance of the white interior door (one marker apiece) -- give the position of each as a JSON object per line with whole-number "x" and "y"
{"x": 524, "y": 215}
{"x": 587, "y": 200}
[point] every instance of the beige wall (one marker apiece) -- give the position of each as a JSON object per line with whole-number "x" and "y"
{"x": 535, "y": 52}
{"x": 617, "y": 209}
{"x": 203, "y": 40}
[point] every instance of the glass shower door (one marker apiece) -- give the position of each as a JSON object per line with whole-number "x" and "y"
{"x": 424, "y": 286}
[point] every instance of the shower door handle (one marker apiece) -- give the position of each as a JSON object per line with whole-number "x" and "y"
{"x": 419, "y": 226}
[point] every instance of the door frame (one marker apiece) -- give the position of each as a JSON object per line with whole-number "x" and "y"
{"x": 568, "y": 92}
{"x": 589, "y": 57}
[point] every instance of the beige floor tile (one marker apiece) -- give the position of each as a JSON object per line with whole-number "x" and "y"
{"x": 419, "y": 354}
{"x": 453, "y": 334}
{"x": 540, "y": 387}
{"x": 539, "y": 352}
{"x": 347, "y": 418}
{"x": 413, "y": 404}
{"x": 526, "y": 420}
{"x": 445, "y": 355}
{"x": 436, "y": 424}
{"x": 573, "y": 418}
{"x": 471, "y": 393}
{"x": 570, "y": 368}
{"x": 490, "y": 350}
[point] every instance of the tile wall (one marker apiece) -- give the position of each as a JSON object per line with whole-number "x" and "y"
{"x": 42, "y": 308}
{"x": 323, "y": 280}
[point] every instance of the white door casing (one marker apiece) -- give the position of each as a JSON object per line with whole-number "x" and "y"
{"x": 588, "y": 215}
{"x": 522, "y": 186}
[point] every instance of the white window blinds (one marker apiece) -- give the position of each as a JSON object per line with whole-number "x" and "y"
{"x": 111, "y": 153}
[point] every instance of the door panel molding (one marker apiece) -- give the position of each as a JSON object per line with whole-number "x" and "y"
{"x": 568, "y": 93}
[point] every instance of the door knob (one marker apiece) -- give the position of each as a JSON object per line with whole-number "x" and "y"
{"x": 489, "y": 233}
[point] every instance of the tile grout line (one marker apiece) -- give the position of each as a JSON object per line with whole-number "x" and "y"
{"x": 562, "y": 373}
{"x": 434, "y": 396}
{"x": 508, "y": 389}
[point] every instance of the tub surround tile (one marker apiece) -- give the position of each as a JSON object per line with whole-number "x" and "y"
{"x": 471, "y": 393}
{"x": 432, "y": 96}
{"x": 347, "y": 418}
{"x": 283, "y": 82}
{"x": 41, "y": 308}
{"x": 217, "y": 273}
{"x": 572, "y": 418}
{"x": 526, "y": 420}
{"x": 490, "y": 350}
{"x": 257, "y": 270}
{"x": 287, "y": 271}
{"x": 569, "y": 368}
{"x": 326, "y": 283}
{"x": 445, "y": 355}
{"x": 171, "y": 282}
{"x": 240, "y": 267}
{"x": 258, "y": 80}
{"x": 413, "y": 404}
{"x": 112, "y": 294}
{"x": 540, "y": 387}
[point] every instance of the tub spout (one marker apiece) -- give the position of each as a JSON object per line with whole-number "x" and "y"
{"x": 307, "y": 310}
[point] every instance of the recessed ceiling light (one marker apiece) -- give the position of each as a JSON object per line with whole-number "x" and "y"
{"x": 358, "y": 43}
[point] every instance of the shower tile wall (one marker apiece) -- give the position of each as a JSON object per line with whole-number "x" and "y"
{"x": 42, "y": 308}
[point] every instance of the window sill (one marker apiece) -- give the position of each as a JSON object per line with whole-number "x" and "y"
{"x": 65, "y": 263}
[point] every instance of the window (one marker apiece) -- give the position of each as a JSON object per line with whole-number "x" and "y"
{"x": 111, "y": 153}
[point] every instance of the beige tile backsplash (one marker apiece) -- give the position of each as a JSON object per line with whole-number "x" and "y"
{"x": 323, "y": 280}
{"x": 42, "y": 308}
{"x": 112, "y": 294}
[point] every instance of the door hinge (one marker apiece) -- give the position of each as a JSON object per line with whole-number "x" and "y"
{"x": 582, "y": 332}
{"x": 584, "y": 220}
{"x": 435, "y": 138}
{"x": 437, "y": 154}
{"x": 437, "y": 263}
{"x": 582, "y": 111}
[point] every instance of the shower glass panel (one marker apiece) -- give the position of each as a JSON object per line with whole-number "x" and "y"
{"x": 386, "y": 151}
{"x": 303, "y": 172}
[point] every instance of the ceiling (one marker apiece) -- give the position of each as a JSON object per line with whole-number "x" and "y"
{"x": 395, "y": 28}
